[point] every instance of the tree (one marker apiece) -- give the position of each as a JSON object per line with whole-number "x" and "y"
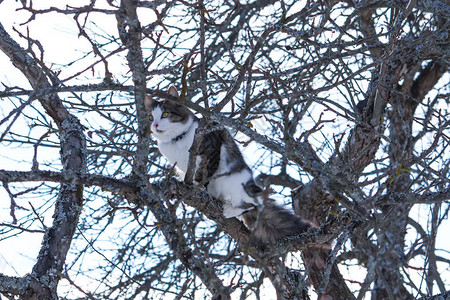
{"x": 344, "y": 105}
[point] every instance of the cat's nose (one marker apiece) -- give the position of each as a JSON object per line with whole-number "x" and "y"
{"x": 155, "y": 125}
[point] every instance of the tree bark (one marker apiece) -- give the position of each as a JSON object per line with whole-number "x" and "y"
{"x": 47, "y": 271}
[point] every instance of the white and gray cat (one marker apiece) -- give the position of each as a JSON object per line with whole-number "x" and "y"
{"x": 220, "y": 167}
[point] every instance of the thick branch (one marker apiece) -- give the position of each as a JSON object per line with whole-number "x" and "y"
{"x": 57, "y": 239}
{"x": 13, "y": 285}
{"x": 443, "y": 296}
{"x": 413, "y": 198}
{"x": 110, "y": 183}
{"x": 35, "y": 75}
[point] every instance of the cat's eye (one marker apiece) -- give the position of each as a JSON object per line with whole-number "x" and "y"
{"x": 150, "y": 117}
{"x": 165, "y": 114}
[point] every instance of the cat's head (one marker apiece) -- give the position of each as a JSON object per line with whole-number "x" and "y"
{"x": 168, "y": 119}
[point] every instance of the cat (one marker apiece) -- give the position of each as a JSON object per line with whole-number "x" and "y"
{"x": 221, "y": 168}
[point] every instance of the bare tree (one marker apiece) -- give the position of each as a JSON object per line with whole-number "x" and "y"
{"x": 340, "y": 107}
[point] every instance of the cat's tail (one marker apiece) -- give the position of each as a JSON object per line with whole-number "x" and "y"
{"x": 273, "y": 222}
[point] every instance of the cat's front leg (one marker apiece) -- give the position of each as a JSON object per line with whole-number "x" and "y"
{"x": 230, "y": 211}
{"x": 201, "y": 171}
{"x": 179, "y": 173}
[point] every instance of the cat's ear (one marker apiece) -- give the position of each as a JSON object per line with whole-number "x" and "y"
{"x": 173, "y": 91}
{"x": 148, "y": 102}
